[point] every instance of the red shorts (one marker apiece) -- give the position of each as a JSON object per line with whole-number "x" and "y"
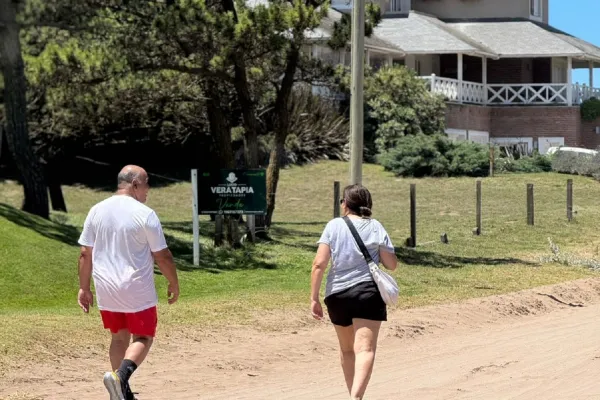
{"x": 142, "y": 323}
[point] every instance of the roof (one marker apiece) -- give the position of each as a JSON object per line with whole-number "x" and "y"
{"x": 325, "y": 31}
{"x": 520, "y": 37}
{"x": 419, "y": 33}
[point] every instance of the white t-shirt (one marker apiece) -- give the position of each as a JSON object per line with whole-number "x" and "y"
{"x": 348, "y": 265}
{"x": 123, "y": 232}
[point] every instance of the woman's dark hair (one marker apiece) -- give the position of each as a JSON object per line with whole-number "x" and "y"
{"x": 358, "y": 200}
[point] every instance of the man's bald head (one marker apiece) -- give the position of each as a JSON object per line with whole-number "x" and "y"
{"x": 131, "y": 173}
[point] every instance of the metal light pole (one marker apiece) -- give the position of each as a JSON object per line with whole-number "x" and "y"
{"x": 356, "y": 93}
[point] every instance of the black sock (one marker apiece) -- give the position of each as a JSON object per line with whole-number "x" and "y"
{"x": 125, "y": 371}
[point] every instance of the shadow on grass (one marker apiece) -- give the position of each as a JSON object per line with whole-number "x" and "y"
{"x": 52, "y": 230}
{"x": 216, "y": 260}
{"x": 316, "y": 223}
{"x": 434, "y": 260}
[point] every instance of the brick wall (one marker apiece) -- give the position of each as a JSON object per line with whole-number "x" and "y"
{"x": 472, "y": 117}
{"x": 589, "y": 137}
{"x": 526, "y": 121}
{"x": 537, "y": 122}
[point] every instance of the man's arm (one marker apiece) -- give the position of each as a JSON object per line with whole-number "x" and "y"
{"x": 166, "y": 265}
{"x": 85, "y": 297}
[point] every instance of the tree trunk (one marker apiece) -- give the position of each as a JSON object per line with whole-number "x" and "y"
{"x": 282, "y": 112}
{"x": 56, "y": 195}
{"x": 219, "y": 128}
{"x": 221, "y": 132}
{"x": 275, "y": 162}
{"x": 1, "y": 140}
{"x": 242, "y": 88}
{"x": 15, "y": 108}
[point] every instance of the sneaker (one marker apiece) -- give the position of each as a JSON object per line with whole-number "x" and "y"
{"x": 113, "y": 385}
{"x": 129, "y": 395}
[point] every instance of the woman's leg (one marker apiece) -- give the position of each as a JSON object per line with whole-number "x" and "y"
{"x": 365, "y": 345}
{"x": 346, "y": 338}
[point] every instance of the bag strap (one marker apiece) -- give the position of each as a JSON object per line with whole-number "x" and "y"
{"x": 359, "y": 241}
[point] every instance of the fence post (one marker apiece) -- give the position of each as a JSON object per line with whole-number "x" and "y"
{"x": 478, "y": 209}
{"x": 251, "y": 221}
{"x": 432, "y": 83}
{"x": 570, "y": 200}
{"x": 219, "y": 230}
{"x": 491, "y": 161}
{"x": 196, "y": 223}
{"x": 336, "y": 199}
{"x": 412, "y": 242}
{"x": 530, "y": 207}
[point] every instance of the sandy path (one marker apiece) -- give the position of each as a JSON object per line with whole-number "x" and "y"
{"x": 519, "y": 346}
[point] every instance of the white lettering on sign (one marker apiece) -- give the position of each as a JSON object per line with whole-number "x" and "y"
{"x": 232, "y": 190}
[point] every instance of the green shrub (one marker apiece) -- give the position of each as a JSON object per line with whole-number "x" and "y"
{"x": 317, "y": 130}
{"x": 576, "y": 164}
{"x": 423, "y": 155}
{"x": 401, "y": 104}
{"x": 590, "y": 109}
{"x": 468, "y": 159}
{"x": 526, "y": 164}
{"x": 397, "y": 103}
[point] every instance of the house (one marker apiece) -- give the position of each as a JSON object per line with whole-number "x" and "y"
{"x": 505, "y": 73}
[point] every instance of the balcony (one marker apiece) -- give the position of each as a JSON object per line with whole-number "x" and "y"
{"x": 511, "y": 94}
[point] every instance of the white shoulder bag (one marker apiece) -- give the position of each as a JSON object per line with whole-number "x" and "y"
{"x": 388, "y": 288}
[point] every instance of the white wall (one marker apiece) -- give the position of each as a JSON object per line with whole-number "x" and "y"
{"x": 480, "y": 137}
{"x": 544, "y": 143}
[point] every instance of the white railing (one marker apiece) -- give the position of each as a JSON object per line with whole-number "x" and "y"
{"x": 510, "y": 94}
{"x": 469, "y": 92}
{"x": 528, "y": 94}
{"x": 582, "y": 93}
{"x": 473, "y": 92}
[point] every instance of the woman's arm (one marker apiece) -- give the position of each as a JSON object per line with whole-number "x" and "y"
{"x": 389, "y": 260}
{"x": 318, "y": 269}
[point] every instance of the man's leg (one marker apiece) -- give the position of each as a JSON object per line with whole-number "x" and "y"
{"x": 345, "y": 336}
{"x": 118, "y": 346}
{"x": 142, "y": 326}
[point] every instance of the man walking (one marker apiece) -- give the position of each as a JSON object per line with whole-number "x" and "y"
{"x": 121, "y": 240}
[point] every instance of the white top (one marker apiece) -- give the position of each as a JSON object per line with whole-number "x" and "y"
{"x": 348, "y": 265}
{"x": 123, "y": 232}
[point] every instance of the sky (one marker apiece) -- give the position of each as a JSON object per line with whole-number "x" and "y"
{"x": 578, "y": 18}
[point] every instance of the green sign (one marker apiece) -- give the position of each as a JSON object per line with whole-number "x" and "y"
{"x": 232, "y": 191}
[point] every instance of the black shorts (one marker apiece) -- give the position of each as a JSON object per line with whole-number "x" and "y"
{"x": 360, "y": 301}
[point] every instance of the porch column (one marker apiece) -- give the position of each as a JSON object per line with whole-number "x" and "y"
{"x": 569, "y": 81}
{"x": 368, "y": 57}
{"x": 591, "y": 74}
{"x": 459, "y": 70}
{"x": 484, "y": 79}
{"x": 390, "y": 60}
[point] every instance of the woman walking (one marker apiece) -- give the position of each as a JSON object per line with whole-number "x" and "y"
{"x": 353, "y": 301}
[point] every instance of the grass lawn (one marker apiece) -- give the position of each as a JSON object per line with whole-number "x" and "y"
{"x": 38, "y": 259}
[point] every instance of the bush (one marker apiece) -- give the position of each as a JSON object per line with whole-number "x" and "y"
{"x": 422, "y": 155}
{"x": 397, "y": 103}
{"x": 526, "y": 164}
{"x": 577, "y": 164}
{"x": 400, "y": 104}
{"x": 317, "y": 130}
{"x": 469, "y": 159}
{"x": 590, "y": 109}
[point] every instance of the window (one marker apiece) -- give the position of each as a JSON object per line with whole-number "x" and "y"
{"x": 536, "y": 8}
{"x": 398, "y": 6}
{"x": 514, "y": 148}
{"x": 395, "y": 5}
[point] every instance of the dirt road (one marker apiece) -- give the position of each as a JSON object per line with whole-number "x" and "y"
{"x": 538, "y": 344}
